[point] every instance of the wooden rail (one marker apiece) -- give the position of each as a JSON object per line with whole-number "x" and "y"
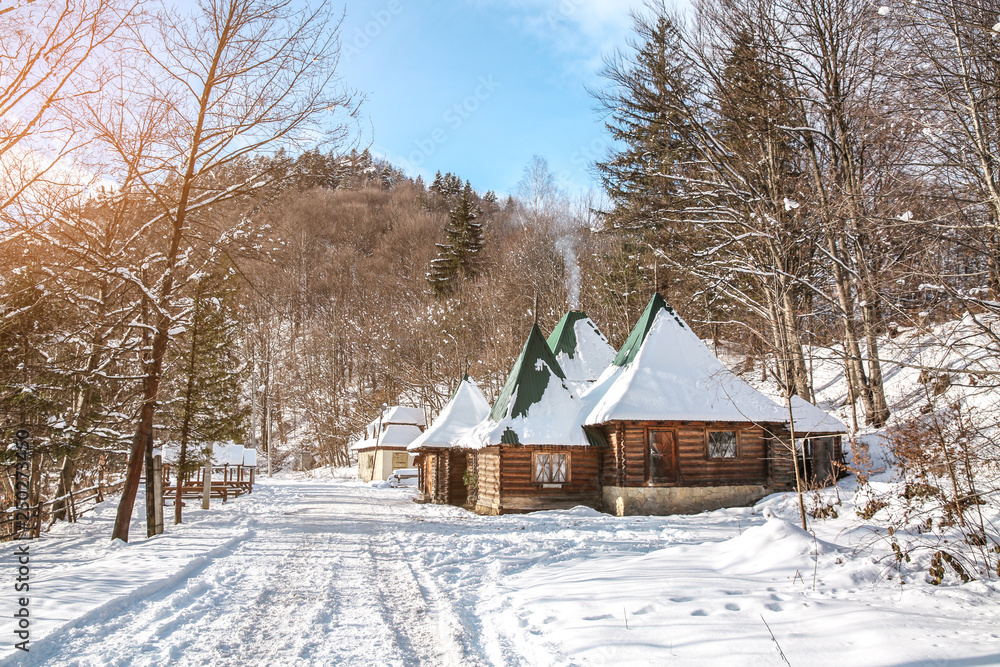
{"x": 77, "y": 503}
{"x": 236, "y": 480}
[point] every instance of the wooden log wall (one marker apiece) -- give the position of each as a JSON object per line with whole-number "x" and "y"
{"x": 614, "y": 457}
{"x": 430, "y": 474}
{"x": 782, "y": 466}
{"x": 439, "y": 492}
{"x": 628, "y": 454}
{"x": 488, "y": 501}
{"x": 518, "y": 493}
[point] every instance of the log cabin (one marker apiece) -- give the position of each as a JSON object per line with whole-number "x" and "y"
{"x": 666, "y": 428}
{"x": 681, "y": 432}
{"x": 444, "y": 472}
{"x": 531, "y": 452}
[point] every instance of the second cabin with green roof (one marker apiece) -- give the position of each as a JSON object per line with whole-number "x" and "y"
{"x": 532, "y": 453}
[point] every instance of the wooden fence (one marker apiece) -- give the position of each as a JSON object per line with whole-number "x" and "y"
{"x": 77, "y": 503}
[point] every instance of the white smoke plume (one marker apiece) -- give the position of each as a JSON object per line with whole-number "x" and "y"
{"x": 567, "y": 247}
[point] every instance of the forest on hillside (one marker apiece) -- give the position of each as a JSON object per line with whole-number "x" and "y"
{"x": 193, "y": 248}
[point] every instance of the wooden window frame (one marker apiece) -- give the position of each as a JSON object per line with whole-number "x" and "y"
{"x": 708, "y": 444}
{"x": 534, "y": 468}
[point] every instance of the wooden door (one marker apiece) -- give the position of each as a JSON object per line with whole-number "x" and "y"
{"x": 662, "y": 456}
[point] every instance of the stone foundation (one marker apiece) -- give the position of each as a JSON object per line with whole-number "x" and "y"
{"x": 660, "y": 500}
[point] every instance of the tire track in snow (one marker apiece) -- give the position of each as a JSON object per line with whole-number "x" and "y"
{"x": 419, "y": 608}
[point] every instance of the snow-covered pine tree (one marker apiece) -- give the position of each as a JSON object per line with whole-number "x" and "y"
{"x": 458, "y": 256}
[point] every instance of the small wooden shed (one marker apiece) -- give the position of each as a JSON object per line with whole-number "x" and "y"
{"x": 819, "y": 437}
{"x": 442, "y": 463}
{"x": 531, "y": 453}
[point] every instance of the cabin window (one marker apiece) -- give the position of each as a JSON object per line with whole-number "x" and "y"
{"x": 722, "y": 444}
{"x": 551, "y": 468}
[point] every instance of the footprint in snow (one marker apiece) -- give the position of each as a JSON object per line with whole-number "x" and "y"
{"x": 681, "y": 599}
{"x": 773, "y": 606}
{"x": 732, "y": 607}
{"x": 602, "y": 617}
{"x": 699, "y": 612}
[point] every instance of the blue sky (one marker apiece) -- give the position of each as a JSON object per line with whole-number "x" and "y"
{"x": 477, "y": 87}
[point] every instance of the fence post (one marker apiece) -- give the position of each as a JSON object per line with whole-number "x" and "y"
{"x": 158, "y": 494}
{"x": 206, "y": 489}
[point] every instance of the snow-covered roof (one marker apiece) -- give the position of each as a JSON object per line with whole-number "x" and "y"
{"x": 393, "y": 436}
{"x": 463, "y": 412}
{"x": 665, "y": 372}
{"x": 580, "y": 348}
{"x": 223, "y": 453}
{"x": 395, "y": 414}
{"x": 811, "y": 420}
{"x": 535, "y": 406}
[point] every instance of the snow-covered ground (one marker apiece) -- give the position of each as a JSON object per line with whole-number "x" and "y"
{"x": 328, "y": 571}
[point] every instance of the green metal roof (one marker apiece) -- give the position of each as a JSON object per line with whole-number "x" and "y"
{"x": 527, "y": 382}
{"x": 635, "y": 339}
{"x": 596, "y": 437}
{"x": 563, "y": 337}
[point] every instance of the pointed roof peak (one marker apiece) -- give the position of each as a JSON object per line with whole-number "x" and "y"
{"x": 563, "y": 337}
{"x": 465, "y": 380}
{"x": 668, "y": 373}
{"x": 637, "y": 337}
{"x": 463, "y": 412}
{"x": 529, "y": 377}
{"x": 580, "y": 348}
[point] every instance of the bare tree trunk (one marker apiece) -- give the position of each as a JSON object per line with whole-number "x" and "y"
{"x": 879, "y": 414}
{"x": 67, "y": 472}
{"x": 144, "y": 428}
{"x": 852, "y": 348}
{"x": 798, "y": 370}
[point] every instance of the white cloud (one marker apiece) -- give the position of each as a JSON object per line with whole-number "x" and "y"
{"x": 581, "y": 31}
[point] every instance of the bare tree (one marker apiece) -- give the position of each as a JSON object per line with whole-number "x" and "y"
{"x": 48, "y": 66}
{"x": 237, "y": 80}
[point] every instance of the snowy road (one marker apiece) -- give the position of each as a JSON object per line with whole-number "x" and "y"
{"x": 322, "y": 582}
{"x": 333, "y": 572}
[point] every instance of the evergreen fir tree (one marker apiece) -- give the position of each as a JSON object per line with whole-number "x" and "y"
{"x": 206, "y": 404}
{"x": 458, "y": 256}
{"x": 644, "y": 121}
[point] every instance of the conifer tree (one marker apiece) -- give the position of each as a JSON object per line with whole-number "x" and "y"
{"x": 643, "y": 119}
{"x": 458, "y": 256}
{"x": 206, "y": 406}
